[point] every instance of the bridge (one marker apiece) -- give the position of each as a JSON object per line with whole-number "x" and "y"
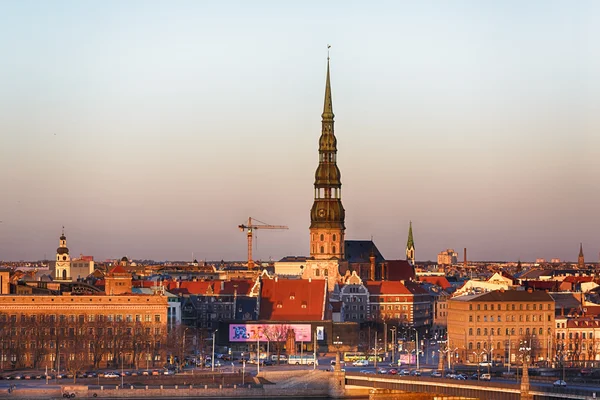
{"x": 469, "y": 389}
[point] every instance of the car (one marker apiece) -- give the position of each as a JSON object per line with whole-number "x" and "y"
{"x": 393, "y": 371}
{"x": 111, "y": 375}
{"x": 155, "y": 372}
{"x": 559, "y": 383}
{"x": 404, "y": 372}
{"x": 168, "y": 372}
{"x": 436, "y": 374}
{"x": 460, "y": 377}
{"x": 382, "y": 371}
{"x": 485, "y": 377}
{"x": 415, "y": 372}
{"x": 146, "y": 373}
{"x": 361, "y": 363}
{"x": 485, "y": 364}
{"x": 364, "y": 371}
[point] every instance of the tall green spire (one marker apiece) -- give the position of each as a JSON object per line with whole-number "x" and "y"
{"x": 410, "y": 246}
{"x": 411, "y": 243}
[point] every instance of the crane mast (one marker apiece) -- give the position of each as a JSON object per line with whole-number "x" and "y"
{"x": 253, "y": 224}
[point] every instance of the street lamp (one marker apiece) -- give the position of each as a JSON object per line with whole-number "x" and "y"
{"x": 212, "y": 360}
{"x": 393, "y": 345}
{"x": 122, "y": 373}
{"x": 337, "y": 345}
{"x": 477, "y": 356}
{"x": 524, "y": 350}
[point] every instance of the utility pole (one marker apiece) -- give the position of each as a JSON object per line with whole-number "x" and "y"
{"x": 315, "y": 352}
{"x": 257, "y": 354}
{"x": 417, "y": 348}
{"x": 375, "y": 362}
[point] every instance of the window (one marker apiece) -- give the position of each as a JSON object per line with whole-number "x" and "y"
{"x": 470, "y": 331}
{"x": 478, "y": 331}
{"x": 322, "y": 237}
{"x": 499, "y": 318}
{"x": 333, "y": 249}
{"x": 317, "y": 272}
{"x": 470, "y": 318}
{"x": 471, "y": 307}
{"x": 322, "y": 249}
{"x": 499, "y": 332}
{"x": 470, "y": 345}
{"x": 334, "y": 239}
{"x": 157, "y": 318}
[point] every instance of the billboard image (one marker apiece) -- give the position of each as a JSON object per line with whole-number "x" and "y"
{"x": 267, "y": 332}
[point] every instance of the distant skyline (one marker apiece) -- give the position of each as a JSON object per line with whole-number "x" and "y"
{"x": 152, "y": 129}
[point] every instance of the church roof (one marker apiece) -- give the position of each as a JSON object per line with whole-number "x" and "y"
{"x": 293, "y": 299}
{"x": 359, "y": 251}
{"x": 117, "y": 270}
{"x": 400, "y": 270}
{"x": 440, "y": 281}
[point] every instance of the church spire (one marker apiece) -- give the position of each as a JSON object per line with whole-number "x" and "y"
{"x": 328, "y": 105}
{"x": 581, "y": 259}
{"x": 410, "y": 246}
{"x": 327, "y": 216}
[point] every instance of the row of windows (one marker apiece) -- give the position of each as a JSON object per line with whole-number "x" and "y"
{"x": 508, "y": 331}
{"x": 526, "y": 318}
{"x": 576, "y": 335}
{"x": 511, "y": 307}
{"x": 322, "y": 237}
{"x": 81, "y": 318}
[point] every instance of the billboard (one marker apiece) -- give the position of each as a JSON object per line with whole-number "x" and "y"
{"x": 320, "y": 333}
{"x": 268, "y": 332}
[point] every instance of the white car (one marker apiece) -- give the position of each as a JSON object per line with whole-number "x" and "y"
{"x": 560, "y": 383}
{"x": 111, "y": 375}
{"x": 361, "y": 363}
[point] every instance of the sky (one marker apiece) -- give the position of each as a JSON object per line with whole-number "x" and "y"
{"x": 152, "y": 129}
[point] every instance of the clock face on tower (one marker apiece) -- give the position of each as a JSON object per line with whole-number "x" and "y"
{"x": 321, "y": 212}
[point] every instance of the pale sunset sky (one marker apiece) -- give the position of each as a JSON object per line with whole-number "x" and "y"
{"x": 153, "y": 128}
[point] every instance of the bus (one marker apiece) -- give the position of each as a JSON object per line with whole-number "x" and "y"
{"x": 371, "y": 357}
{"x": 351, "y": 356}
{"x": 308, "y": 359}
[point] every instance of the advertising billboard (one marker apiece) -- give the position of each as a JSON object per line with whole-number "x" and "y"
{"x": 268, "y": 332}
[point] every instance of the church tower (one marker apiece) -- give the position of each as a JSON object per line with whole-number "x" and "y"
{"x": 410, "y": 246}
{"x": 327, "y": 215}
{"x": 62, "y": 271}
{"x": 580, "y": 259}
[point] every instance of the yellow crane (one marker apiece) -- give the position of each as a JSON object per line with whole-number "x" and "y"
{"x": 253, "y": 224}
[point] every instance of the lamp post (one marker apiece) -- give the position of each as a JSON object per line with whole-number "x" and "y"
{"x": 337, "y": 345}
{"x": 122, "y": 372}
{"x": 489, "y": 359}
{"x": 375, "y": 362}
{"x": 393, "y": 345}
{"x": 212, "y": 360}
{"x": 524, "y": 350}
{"x": 477, "y": 356}
{"x": 257, "y": 354}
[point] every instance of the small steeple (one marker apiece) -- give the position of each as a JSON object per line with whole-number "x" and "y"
{"x": 581, "y": 259}
{"x": 410, "y": 243}
{"x": 410, "y": 246}
{"x": 580, "y": 249}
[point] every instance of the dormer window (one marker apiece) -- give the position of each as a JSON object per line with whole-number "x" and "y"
{"x": 292, "y": 296}
{"x": 303, "y": 304}
{"x": 279, "y": 304}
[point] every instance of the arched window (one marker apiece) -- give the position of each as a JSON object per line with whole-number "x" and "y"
{"x": 64, "y": 274}
{"x": 498, "y": 346}
{"x": 333, "y": 249}
{"x": 478, "y": 345}
{"x": 470, "y": 345}
{"x": 322, "y": 237}
{"x": 317, "y": 272}
{"x": 334, "y": 237}
{"x": 499, "y": 332}
{"x": 541, "y": 331}
{"x": 322, "y": 249}
{"x": 478, "y": 331}
{"x": 470, "y": 331}
{"x": 485, "y": 331}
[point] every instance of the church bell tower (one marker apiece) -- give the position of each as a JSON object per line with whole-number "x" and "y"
{"x": 327, "y": 215}
{"x": 63, "y": 260}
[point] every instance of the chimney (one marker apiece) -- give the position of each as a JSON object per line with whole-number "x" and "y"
{"x": 465, "y": 257}
{"x": 562, "y": 311}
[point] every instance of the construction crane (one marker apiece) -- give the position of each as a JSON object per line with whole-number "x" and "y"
{"x": 253, "y": 224}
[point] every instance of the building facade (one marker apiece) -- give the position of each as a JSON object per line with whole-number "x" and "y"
{"x": 447, "y": 257}
{"x": 494, "y": 325}
{"x": 75, "y": 333}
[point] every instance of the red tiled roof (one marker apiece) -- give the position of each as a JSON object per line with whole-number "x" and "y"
{"x": 293, "y": 300}
{"x": 386, "y": 287}
{"x": 118, "y": 270}
{"x": 578, "y": 279}
{"x": 216, "y": 288}
{"x": 440, "y": 281}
